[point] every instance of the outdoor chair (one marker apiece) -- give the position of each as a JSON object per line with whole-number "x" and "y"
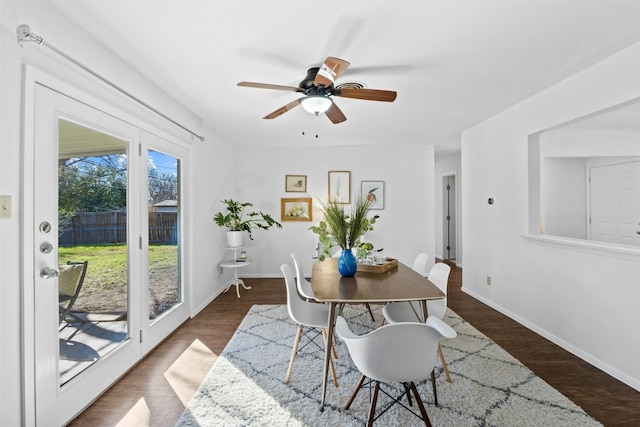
{"x": 69, "y": 285}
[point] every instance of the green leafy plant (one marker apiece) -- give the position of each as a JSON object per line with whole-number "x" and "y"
{"x": 365, "y": 250}
{"x": 340, "y": 228}
{"x": 236, "y": 219}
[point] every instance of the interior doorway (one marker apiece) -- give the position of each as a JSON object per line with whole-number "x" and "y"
{"x": 449, "y": 233}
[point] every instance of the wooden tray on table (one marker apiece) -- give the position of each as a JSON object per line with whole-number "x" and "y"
{"x": 387, "y": 264}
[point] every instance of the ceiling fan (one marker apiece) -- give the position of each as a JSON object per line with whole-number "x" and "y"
{"x": 319, "y": 86}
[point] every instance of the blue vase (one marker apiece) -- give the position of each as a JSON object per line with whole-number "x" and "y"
{"x": 347, "y": 263}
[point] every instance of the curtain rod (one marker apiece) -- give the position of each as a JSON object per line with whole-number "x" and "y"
{"x": 25, "y": 35}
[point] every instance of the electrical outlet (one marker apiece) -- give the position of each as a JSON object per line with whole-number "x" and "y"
{"x": 5, "y": 207}
{"x": 488, "y": 280}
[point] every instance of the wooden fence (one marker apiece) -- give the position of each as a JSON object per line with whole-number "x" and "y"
{"x": 111, "y": 227}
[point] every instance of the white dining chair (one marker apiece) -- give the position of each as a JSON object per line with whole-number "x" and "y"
{"x": 420, "y": 267}
{"x": 409, "y": 311}
{"x": 307, "y": 315}
{"x": 303, "y": 285}
{"x": 398, "y": 352}
{"x": 420, "y": 263}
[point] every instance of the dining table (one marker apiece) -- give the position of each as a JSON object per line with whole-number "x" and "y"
{"x": 400, "y": 283}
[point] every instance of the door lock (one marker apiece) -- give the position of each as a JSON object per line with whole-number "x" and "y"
{"x": 45, "y": 227}
{"x": 49, "y": 273}
{"x": 46, "y": 247}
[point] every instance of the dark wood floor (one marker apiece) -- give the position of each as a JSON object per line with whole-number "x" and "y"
{"x": 155, "y": 392}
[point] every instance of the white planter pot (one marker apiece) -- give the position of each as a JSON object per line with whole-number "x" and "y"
{"x": 234, "y": 238}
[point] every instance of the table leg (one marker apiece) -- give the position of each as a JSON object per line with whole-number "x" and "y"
{"x": 243, "y": 285}
{"x": 237, "y": 282}
{"x": 423, "y": 307}
{"x": 327, "y": 349}
{"x": 240, "y": 282}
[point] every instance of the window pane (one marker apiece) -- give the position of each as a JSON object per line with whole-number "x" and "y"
{"x": 164, "y": 233}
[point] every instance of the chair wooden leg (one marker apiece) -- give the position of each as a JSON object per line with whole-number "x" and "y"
{"x": 372, "y": 408}
{"x": 333, "y": 372}
{"x": 435, "y": 390}
{"x": 444, "y": 364}
{"x": 333, "y": 347}
{"x": 355, "y": 392}
{"x": 333, "y": 351}
{"x": 293, "y": 353}
{"x": 382, "y": 321}
{"x": 423, "y": 411}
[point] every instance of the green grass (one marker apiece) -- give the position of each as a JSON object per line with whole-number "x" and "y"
{"x": 107, "y": 263}
{"x": 105, "y": 285}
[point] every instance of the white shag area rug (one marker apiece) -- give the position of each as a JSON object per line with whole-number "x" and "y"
{"x": 245, "y": 386}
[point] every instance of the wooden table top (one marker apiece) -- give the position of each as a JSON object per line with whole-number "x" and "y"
{"x": 398, "y": 284}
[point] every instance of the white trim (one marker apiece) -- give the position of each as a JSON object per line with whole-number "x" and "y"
{"x": 619, "y": 251}
{"x": 27, "y": 261}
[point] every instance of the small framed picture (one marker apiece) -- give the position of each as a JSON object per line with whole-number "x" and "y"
{"x": 374, "y": 192}
{"x": 296, "y": 209}
{"x": 340, "y": 187}
{"x": 295, "y": 183}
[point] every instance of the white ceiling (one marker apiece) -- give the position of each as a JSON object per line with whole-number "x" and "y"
{"x": 453, "y": 63}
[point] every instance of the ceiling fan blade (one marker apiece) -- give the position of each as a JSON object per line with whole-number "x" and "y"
{"x": 385, "y": 69}
{"x": 335, "y": 114}
{"x": 280, "y": 111}
{"x": 368, "y": 94}
{"x": 331, "y": 69}
{"x": 270, "y": 86}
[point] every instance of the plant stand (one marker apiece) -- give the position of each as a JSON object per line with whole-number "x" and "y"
{"x": 235, "y": 264}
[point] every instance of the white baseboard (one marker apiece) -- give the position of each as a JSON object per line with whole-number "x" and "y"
{"x": 614, "y": 372}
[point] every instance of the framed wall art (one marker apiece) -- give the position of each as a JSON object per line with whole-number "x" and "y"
{"x": 295, "y": 183}
{"x": 296, "y": 209}
{"x": 340, "y": 187}
{"x": 373, "y": 191}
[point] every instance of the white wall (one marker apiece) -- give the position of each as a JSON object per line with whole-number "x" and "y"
{"x": 406, "y": 224}
{"x": 583, "y": 298}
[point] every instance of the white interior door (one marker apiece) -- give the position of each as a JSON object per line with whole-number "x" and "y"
{"x": 80, "y": 355}
{"x": 615, "y": 203}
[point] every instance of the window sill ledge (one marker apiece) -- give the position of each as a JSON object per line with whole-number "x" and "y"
{"x": 619, "y": 251}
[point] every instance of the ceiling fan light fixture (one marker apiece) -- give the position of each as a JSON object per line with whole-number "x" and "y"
{"x": 316, "y": 104}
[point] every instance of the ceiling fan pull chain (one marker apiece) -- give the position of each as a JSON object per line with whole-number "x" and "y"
{"x": 304, "y": 119}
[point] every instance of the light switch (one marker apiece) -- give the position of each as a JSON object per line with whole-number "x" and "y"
{"x": 5, "y": 207}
